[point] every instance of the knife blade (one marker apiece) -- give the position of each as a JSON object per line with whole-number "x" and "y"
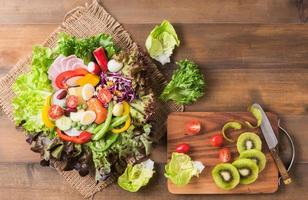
{"x": 272, "y": 143}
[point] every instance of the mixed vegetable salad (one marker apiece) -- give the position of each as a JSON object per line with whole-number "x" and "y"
{"x": 85, "y": 102}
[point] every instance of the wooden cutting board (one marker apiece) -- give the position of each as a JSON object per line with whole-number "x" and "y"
{"x": 202, "y": 150}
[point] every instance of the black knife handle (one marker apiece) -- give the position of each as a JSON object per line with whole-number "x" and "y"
{"x": 281, "y": 168}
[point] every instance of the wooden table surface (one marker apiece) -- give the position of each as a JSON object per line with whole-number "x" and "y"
{"x": 249, "y": 50}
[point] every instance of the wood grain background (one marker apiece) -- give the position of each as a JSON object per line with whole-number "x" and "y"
{"x": 250, "y": 51}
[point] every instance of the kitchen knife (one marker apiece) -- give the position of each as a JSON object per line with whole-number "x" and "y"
{"x": 272, "y": 143}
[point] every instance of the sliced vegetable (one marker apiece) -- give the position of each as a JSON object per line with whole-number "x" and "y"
{"x": 104, "y": 96}
{"x": 217, "y": 140}
{"x": 87, "y": 91}
{"x": 71, "y": 101}
{"x": 64, "y": 123}
{"x": 114, "y": 66}
{"x": 187, "y": 84}
{"x": 225, "y": 155}
{"x": 48, "y": 123}
{"x": 257, "y": 114}
{"x": 96, "y": 106}
{"x": 89, "y": 79}
{"x": 87, "y": 117}
{"x": 127, "y": 122}
{"x": 94, "y": 68}
{"x": 84, "y": 137}
{"x": 233, "y": 125}
{"x": 105, "y": 126}
{"x": 182, "y": 148}
{"x": 136, "y": 176}
{"x": 193, "y": 127}
{"x": 101, "y": 58}
{"x": 64, "y": 76}
{"x": 180, "y": 169}
{"x": 77, "y": 91}
{"x": 161, "y": 42}
{"x": 55, "y": 112}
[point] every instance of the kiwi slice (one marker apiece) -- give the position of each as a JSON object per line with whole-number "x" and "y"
{"x": 248, "y": 140}
{"x": 247, "y": 169}
{"x": 226, "y": 176}
{"x": 256, "y": 156}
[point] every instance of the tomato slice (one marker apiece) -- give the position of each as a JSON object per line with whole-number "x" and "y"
{"x": 193, "y": 127}
{"x": 96, "y": 106}
{"x": 225, "y": 155}
{"x": 104, "y": 95}
{"x": 55, "y": 112}
{"x": 71, "y": 101}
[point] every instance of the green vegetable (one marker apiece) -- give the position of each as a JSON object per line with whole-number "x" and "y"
{"x": 106, "y": 124}
{"x": 119, "y": 121}
{"x": 257, "y": 114}
{"x": 31, "y": 91}
{"x": 233, "y": 125}
{"x": 136, "y": 176}
{"x": 83, "y": 48}
{"x": 161, "y": 42}
{"x": 181, "y": 169}
{"x": 187, "y": 84}
{"x": 103, "y": 145}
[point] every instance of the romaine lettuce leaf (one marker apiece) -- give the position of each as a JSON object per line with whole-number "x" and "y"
{"x": 161, "y": 42}
{"x": 181, "y": 169}
{"x": 136, "y": 176}
{"x": 31, "y": 91}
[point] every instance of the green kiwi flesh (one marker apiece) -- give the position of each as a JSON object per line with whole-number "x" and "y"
{"x": 247, "y": 169}
{"x": 226, "y": 176}
{"x": 247, "y": 141}
{"x": 257, "y": 156}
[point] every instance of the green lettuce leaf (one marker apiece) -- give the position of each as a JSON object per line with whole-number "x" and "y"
{"x": 31, "y": 91}
{"x": 83, "y": 48}
{"x": 181, "y": 169}
{"x": 187, "y": 84}
{"x": 161, "y": 42}
{"x": 136, "y": 176}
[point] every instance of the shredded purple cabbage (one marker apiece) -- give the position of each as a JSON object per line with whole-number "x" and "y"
{"x": 121, "y": 87}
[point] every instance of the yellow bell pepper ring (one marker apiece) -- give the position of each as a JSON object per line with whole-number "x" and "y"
{"x": 127, "y": 122}
{"x": 88, "y": 79}
{"x": 47, "y": 122}
{"x": 124, "y": 128}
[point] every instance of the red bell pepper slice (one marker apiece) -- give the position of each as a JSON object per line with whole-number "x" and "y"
{"x": 84, "y": 137}
{"x": 64, "y": 76}
{"x": 101, "y": 58}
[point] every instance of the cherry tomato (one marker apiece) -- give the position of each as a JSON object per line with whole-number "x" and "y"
{"x": 193, "y": 127}
{"x": 96, "y": 106}
{"x": 217, "y": 140}
{"x": 55, "y": 112}
{"x": 104, "y": 96}
{"x": 71, "y": 101}
{"x": 225, "y": 155}
{"x": 182, "y": 148}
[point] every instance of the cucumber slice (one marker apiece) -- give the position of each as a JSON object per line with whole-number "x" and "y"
{"x": 64, "y": 123}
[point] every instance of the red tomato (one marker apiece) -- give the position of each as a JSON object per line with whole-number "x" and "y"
{"x": 104, "y": 96}
{"x": 225, "y": 155}
{"x": 217, "y": 140}
{"x": 71, "y": 101}
{"x": 182, "y": 148}
{"x": 193, "y": 127}
{"x": 55, "y": 112}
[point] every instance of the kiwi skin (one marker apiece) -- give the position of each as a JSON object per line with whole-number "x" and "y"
{"x": 220, "y": 182}
{"x": 255, "y": 154}
{"x": 248, "y": 136}
{"x": 253, "y": 168}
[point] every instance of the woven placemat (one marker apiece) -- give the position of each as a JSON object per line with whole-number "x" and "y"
{"x": 83, "y": 22}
